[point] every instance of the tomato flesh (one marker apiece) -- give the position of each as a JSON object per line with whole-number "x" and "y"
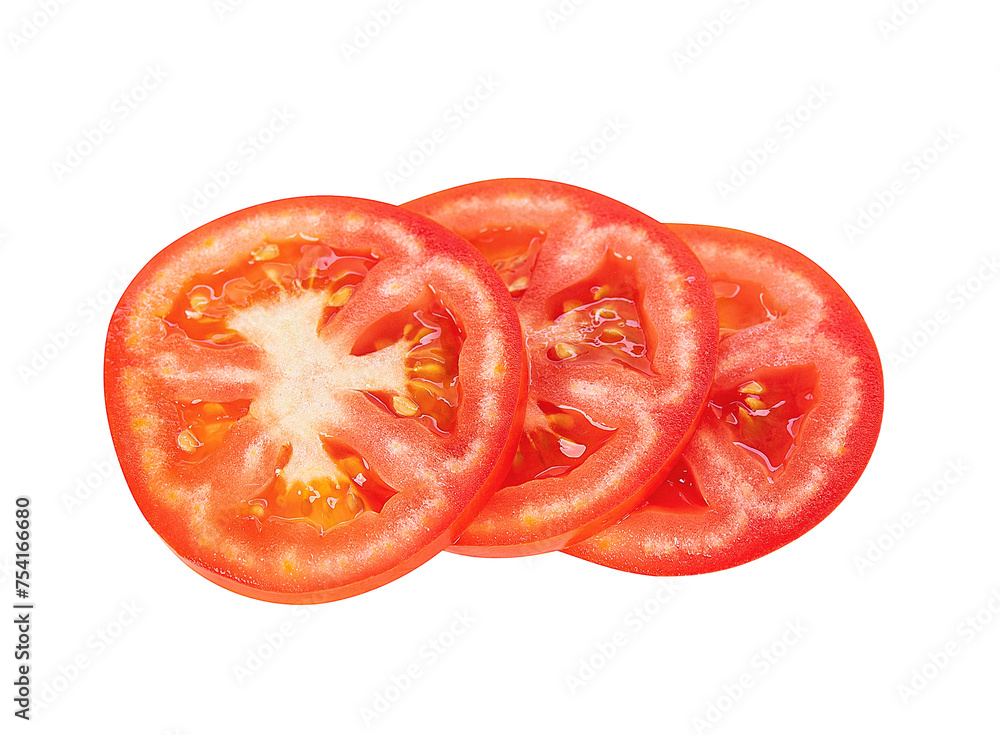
{"x": 311, "y": 397}
{"x": 793, "y": 417}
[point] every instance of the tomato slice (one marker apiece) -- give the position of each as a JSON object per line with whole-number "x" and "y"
{"x": 792, "y": 422}
{"x": 313, "y": 396}
{"x": 621, "y": 330}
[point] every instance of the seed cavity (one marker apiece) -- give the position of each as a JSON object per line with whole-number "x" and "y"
{"x": 605, "y": 313}
{"x": 202, "y": 426}
{"x": 680, "y": 492}
{"x": 743, "y": 304}
{"x": 555, "y": 441}
{"x": 323, "y": 503}
{"x": 432, "y": 339}
{"x": 512, "y": 249}
{"x": 767, "y": 410}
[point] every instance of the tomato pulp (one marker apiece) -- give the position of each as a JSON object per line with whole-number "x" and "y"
{"x": 621, "y": 331}
{"x": 313, "y": 396}
{"x": 793, "y": 417}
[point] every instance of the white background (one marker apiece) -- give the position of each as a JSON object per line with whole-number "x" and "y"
{"x": 559, "y": 80}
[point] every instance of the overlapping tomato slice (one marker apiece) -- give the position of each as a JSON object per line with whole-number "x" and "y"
{"x": 313, "y": 396}
{"x": 792, "y": 422}
{"x": 621, "y": 330}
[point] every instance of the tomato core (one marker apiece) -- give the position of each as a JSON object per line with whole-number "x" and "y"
{"x": 297, "y": 264}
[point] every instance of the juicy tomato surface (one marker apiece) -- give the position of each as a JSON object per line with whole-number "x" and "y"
{"x": 621, "y": 332}
{"x": 792, "y": 422}
{"x": 313, "y": 396}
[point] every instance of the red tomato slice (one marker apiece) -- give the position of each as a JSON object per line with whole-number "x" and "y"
{"x": 794, "y": 415}
{"x": 621, "y": 330}
{"x": 311, "y": 397}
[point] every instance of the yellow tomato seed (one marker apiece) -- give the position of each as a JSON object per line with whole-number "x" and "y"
{"x": 187, "y": 441}
{"x": 564, "y": 351}
{"x": 354, "y": 504}
{"x": 405, "y": 406}
{"x": 266, "y": 252}
{"x": 341, "y": 296}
